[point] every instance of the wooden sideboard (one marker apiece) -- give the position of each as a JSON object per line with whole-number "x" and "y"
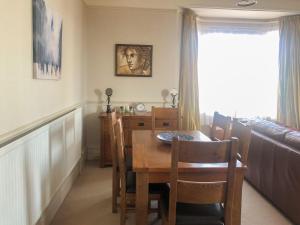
{"x": 131, "y": 121}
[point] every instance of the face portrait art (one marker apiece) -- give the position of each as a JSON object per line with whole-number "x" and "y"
{"x": 134, "y": 60}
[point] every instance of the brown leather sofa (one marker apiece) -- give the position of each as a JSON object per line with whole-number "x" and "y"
{"x": 274, "y": 166}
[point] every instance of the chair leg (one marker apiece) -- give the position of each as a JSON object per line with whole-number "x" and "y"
{"x": 123, "y": 211}
{"x": 159, "y": 209}
{"x": 118, "y": 183}
{"x": 123, "y": 217}
{"x": 115, "y": 191}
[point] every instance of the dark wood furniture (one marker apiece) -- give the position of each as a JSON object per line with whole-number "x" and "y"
{"x": 164, "y": 118}
{"x": 105, "y": 145}
{"x": 127, "y": 178}
{"x": 243, "y": 133}
{"x": 152, "y": 164}
{"x": 223, "y": 122}
{"x": 136, "y": 121}
{"x": 192, "y": 202}
{"x": 116, "y": 171}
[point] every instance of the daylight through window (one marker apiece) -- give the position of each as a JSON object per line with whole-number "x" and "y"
{"x": 238, "y": 73}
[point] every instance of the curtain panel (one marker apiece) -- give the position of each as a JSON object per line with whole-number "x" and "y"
{"x": 188, "y": 83}
{"x": 289, "y": 71}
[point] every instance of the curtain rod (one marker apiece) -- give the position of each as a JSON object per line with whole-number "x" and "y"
{"x": 233, "y": 20}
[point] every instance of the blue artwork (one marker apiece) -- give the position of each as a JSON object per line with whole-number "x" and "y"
{"x": 47, "y": 42}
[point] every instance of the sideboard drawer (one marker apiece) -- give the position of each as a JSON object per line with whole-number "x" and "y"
{"x": 141, "y": 124}
{"x": 166, "y": 124}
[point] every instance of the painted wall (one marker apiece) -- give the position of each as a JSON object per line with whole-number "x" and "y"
{"x": 108, "y": 26}
{"x": 24, "y": 100}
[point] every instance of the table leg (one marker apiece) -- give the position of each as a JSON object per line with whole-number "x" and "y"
{"x": 142, "y": 192}
{"x": 115, "y": 190}
{"x": 237, "y": 203}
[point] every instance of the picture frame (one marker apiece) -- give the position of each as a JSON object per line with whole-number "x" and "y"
{"x": 132, "y": 60}
{"x": 47, "y": 30}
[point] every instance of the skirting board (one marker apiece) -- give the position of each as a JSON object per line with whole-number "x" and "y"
{"x": 93, "y": 153}
{"x": 60, "y": 195}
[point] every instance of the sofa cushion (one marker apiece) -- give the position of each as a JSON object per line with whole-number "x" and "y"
{"x": 293, "y": 139}
{"x": 270, "y": 129}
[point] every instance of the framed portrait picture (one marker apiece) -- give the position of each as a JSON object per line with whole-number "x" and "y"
{"x": 133, "y": 60}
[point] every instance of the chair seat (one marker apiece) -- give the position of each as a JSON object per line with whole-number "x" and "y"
{"x": 196, "y": 214}
{"x": 131, "y": 184}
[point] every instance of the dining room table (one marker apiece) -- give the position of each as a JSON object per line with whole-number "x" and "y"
{"x": 152, "y": 164}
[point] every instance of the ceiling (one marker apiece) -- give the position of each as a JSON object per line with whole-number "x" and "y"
{"x": 269, "y": 5}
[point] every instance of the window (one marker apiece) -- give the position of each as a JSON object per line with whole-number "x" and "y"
{"x": 238, "y": 73}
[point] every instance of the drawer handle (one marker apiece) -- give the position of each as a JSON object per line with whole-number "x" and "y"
{"x": 141, "y": 124}
{"x": 166, "y": 124}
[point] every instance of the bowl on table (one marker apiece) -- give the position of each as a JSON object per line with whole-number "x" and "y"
{"x": 167, "y": 137}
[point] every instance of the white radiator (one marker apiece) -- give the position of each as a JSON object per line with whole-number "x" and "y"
{"x": 33, "y": 168}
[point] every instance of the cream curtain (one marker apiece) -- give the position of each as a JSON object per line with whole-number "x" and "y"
{"x": 188, "y": 83}
{"x": 289, "y": 71}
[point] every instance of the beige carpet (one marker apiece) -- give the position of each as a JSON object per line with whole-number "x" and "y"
{"x": 89, "y": 203}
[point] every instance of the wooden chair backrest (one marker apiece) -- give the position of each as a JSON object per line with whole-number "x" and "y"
{"x": 222, "y": 122}
{"x": 191, "y": 190}
{"x": 164, "y": 118}
{"x": 113, "y": 140}
{"x": 121, "y": 153}
{"x": 243, "y": 133}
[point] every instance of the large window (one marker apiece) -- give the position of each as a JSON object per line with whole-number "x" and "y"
{"x": 238, "y": 73}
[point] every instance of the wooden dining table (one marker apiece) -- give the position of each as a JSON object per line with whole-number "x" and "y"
{"x": 152, "y": 164}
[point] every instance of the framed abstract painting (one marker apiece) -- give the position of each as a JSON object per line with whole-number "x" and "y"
{"x": 47, "y": 42}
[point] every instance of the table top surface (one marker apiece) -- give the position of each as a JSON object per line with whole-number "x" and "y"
{"x": 152, "y": 155}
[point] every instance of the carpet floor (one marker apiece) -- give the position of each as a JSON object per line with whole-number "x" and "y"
{"x": 89, "y": 203}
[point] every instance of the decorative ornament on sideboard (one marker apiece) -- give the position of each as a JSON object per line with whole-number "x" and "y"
{"x": 246, "y": 3}
{"x": 109, "y": 93}
{"x": 173, "y": 94}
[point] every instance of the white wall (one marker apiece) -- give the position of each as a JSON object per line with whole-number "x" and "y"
{"x": 24, "y": 100}
{"x": 108, "y": 26}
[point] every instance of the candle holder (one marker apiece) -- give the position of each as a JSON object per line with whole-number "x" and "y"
{"x": 108, "y": 93}
{"x": 173, "y": 94}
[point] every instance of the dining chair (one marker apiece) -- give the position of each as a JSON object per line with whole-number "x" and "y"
{"x": 223, "y": 122}
{"x": 200, "y": 202}
{"x": 243, "y": 133}
{"x": 164, "y": 118}
{"x": 128, "y": 181}
{"x": 115, "y": 167}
